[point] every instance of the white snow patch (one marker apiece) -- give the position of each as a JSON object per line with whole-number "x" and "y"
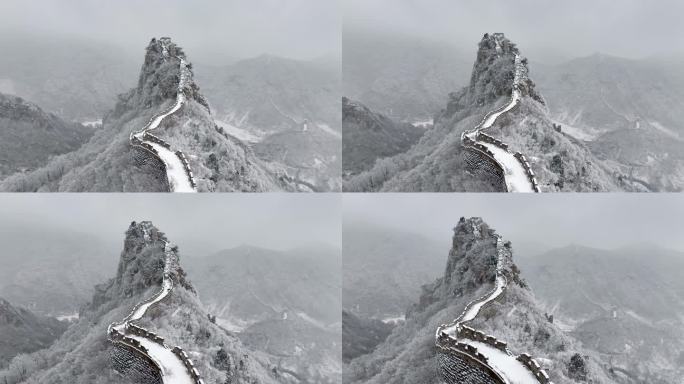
{"x": 665, "y": 130}
{"x": 92, "y": 123}
{"x": 240, "y": 133}
{"x": 175, "y": 171}
{"x": 425, "y": 124}
{"x": 326, "y": 128}
{"x": 514, "y": 172}
{"x": 394, "y": 320}
{"x": 70, "y": 317}
{"x": 311, "y": 320}
{"x": 639, "y": 318}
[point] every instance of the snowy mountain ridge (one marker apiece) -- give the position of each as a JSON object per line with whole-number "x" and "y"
{"x": 173, "y": 365}
{"x": 178, "y": 172}
{"x": 523, "y": 145}
{"x": 459, "y": 343}
{"x": 188, "y": 150}
{"x": 504, "y": 328}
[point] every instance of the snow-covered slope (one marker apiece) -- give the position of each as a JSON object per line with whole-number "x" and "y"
{"x": 108, "y": 162}
{"x": 477, "y": 264}
{"x": 439, "y": 162}
{"x": 149, "y": 272}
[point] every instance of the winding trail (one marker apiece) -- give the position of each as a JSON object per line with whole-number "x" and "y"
{"x": 457, "y": 338}
{"x": 517, "y": 172}
{"x": 178, "y": 170}
{"x": 169, "y": 361}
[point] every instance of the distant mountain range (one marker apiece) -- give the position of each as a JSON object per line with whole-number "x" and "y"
{"x": 287, "y": 110}
{"x": 626, "y": 303}
{"x": 108, "y": 161}
{"x": 25, "y": 332}
{"x": 408, "y": 355}
{"x": 76, "y": 79}
{"x": 629, "y": 112}
{"x": 83, "y": 353}
{"x": 619, "y": 118}
{"x": 284, "y": 112}
{"x": 404, "y": 78}
{"x": 285, "y": 303}
{"x": 385, "y": 268}
{"x": 369, "y": 136}
{"x": 55, "y": 276}
{"x": 29, "y": 137}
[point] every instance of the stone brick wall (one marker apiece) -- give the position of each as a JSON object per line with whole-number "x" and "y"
{"x": 151, "y": 164}
{"x": 457, "y": 368}
{"x": 134, "y": 365}
{"x": 485, "y": 168}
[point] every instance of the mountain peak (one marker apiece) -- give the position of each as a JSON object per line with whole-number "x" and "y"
{"x": 146, "y": 257}
{"x": 493, "y": 73}
{"x": 474, "y": 244}
{"x": 165, "y": 72}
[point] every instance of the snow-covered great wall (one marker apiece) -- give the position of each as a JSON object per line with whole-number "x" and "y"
{"x": 142, "y": 353}
{"x": 516, "y": 171}
{"x": 178, "y": 172}
{"x": 469, "y": 355}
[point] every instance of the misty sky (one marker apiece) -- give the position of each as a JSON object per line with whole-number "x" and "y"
{"x": 544, "y": 30}
{"x": 209, "y": 30}
{"x": 198, "y": 224}
{"x": 553, "y": 220}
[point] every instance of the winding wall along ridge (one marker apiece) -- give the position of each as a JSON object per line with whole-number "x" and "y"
{"x": 486, "y": 352}
{"x": 173, "y": 364}
{"x": 518, "y": 174}
{"x": 178, "y": 172}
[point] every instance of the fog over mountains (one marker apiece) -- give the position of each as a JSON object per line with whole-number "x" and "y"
{"x": 616, "y": 115}
{"x": 624, "y": 307}
{"x": 282, "y": 112}
{"x": 619, "y": 307}
{"x": 266, "y": 313}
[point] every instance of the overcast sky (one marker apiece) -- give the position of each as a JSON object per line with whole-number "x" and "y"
{"x": 207, "y": 29}
{"x": 541, "y": 28}
{"x": 198, "y": 224}
{"x": 553, "y": 220}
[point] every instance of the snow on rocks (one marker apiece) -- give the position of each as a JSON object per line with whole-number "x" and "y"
{"x": 174, "y": 366}
{"x": 457, "y": 338}
{"x": 517, "y": 173}
{"x": 178, "y": 171}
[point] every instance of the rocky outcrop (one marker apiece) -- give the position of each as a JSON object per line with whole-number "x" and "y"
{"x": 492, "y": 76}
{"x": 29, "y": 136}
{"x": 368, "y": 136}
{"x": 25, "y": 332}
{"x": 498, "y": 325}
{"x": 141, "y": 265}
{"x": 577, "y": 369}
{"x": 437, "y": 163}
{"x": 108, "y": 163}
